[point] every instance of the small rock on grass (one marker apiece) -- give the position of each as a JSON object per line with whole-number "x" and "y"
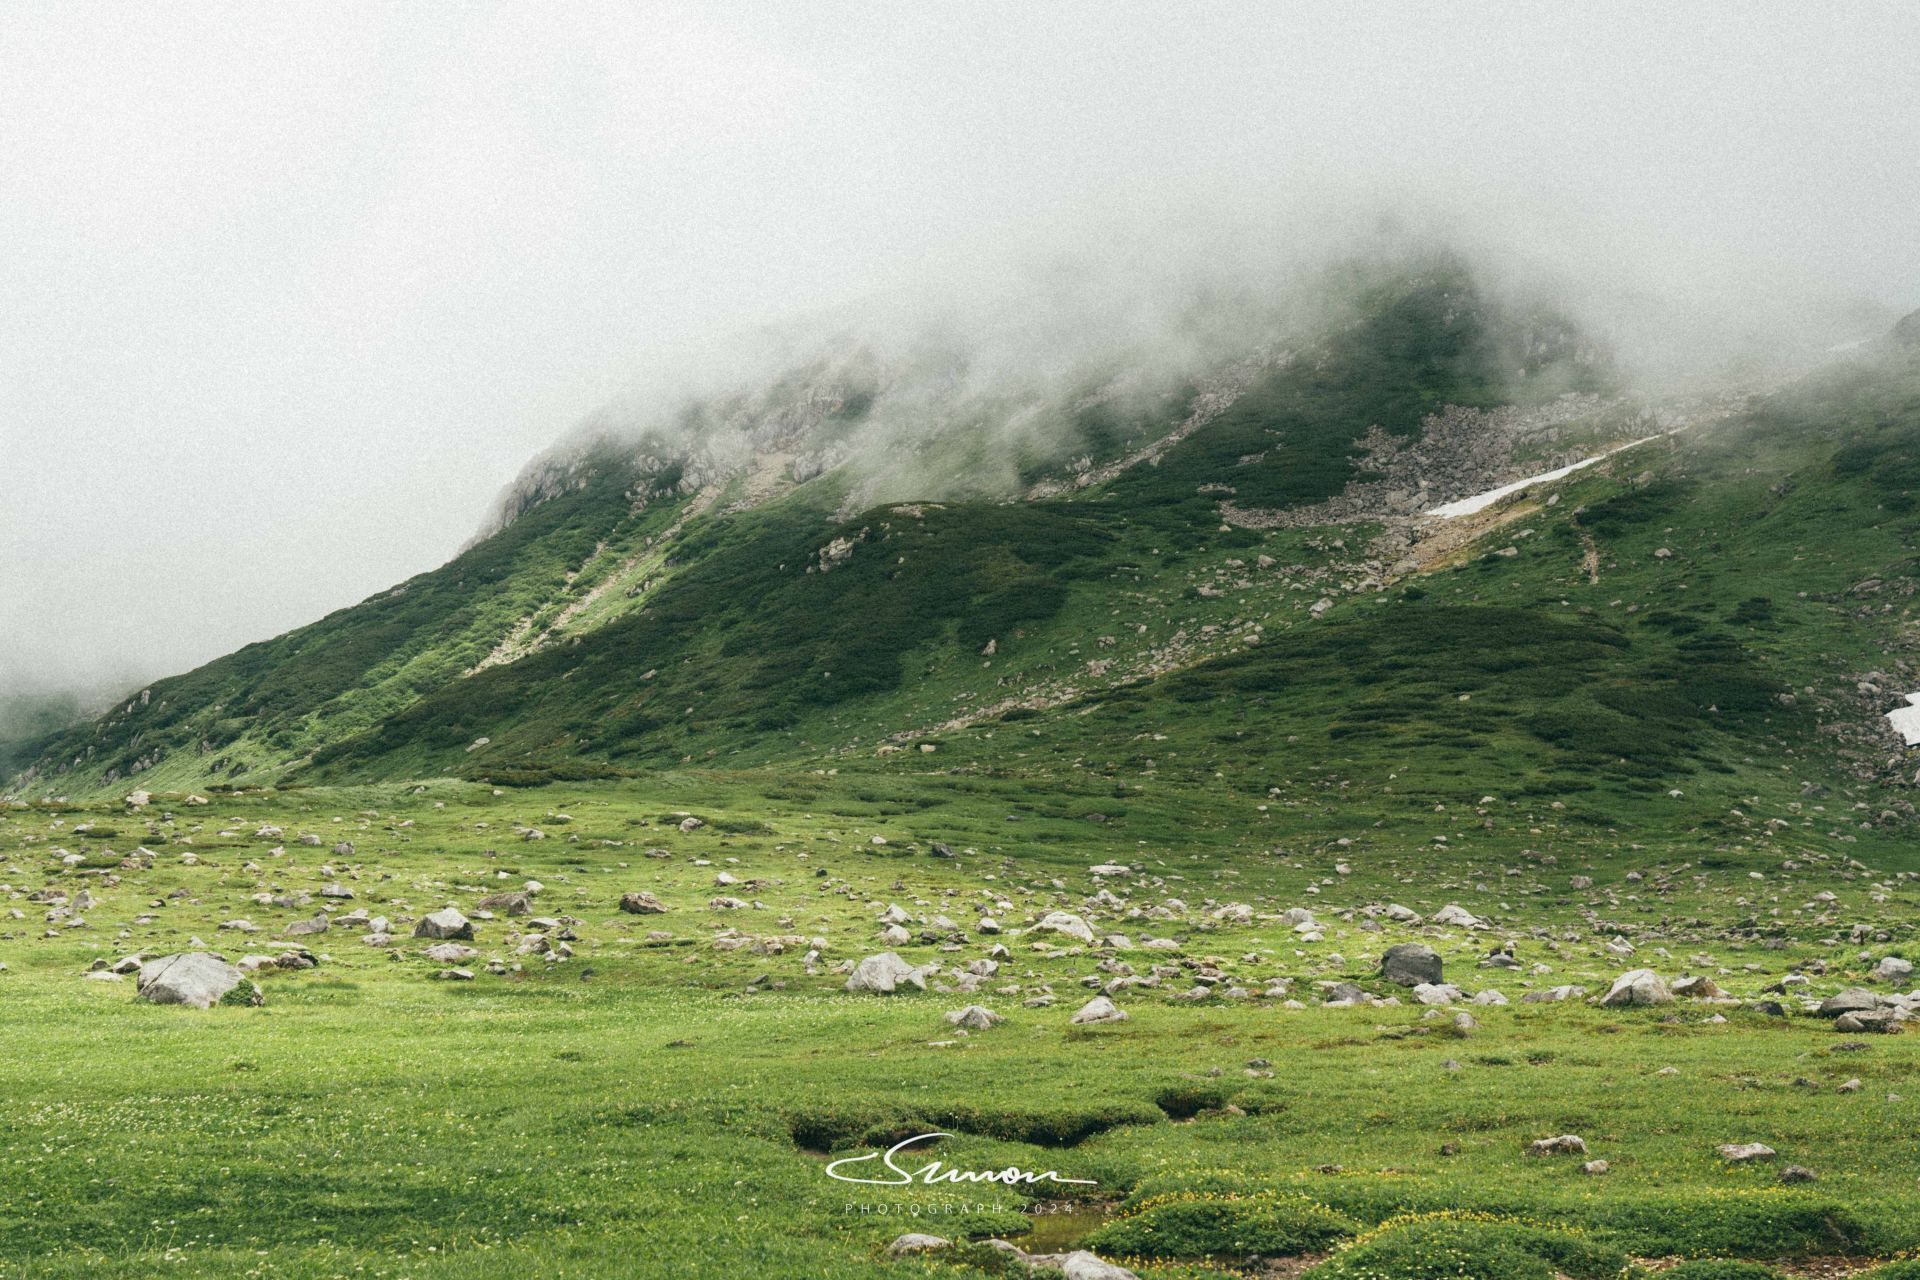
{"x": 1099, "y": 1009}
{"x": 1081, "y": 1265}
{"x": 916, "y": 1242}
{"x": 1741, "y": 1152}
{"x": 1566, "y": 1144}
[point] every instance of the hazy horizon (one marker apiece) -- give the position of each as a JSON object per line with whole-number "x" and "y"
{"x": 297, "y": 292}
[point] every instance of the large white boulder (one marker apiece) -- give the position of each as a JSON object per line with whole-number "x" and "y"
{"x": 195, "y": 978}
{"x": 884, "y": 974}
{"x": 1637, "y": 987}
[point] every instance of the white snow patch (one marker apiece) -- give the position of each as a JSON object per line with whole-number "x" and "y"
{"x": 1481, "y": 501}
{"x": 1907, "y": 720}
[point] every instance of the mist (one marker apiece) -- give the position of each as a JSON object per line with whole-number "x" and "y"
{"x": 292, "y": 293}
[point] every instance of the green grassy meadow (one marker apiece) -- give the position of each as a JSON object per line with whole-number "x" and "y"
{"x": 662, "y": 1105}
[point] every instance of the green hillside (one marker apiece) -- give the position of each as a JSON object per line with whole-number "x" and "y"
{"x": 1688, "y": 616}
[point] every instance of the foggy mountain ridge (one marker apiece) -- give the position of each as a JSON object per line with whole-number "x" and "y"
{"x": 954, "y": 405}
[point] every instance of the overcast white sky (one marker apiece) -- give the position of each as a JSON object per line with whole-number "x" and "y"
{"x": 288, "y": 292}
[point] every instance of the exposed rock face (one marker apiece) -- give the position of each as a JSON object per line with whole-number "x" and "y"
{"x": 1410, "y": 964}
{"x": 885, "y": 974}
{"x": 446, "y": 923}
{"x": 199, "y": 979}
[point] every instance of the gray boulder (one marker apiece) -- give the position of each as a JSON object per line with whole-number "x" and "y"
{"x": 916, "y": 1242}
{"x": 1852, "y": 1000}
{"x": 1741, "y": 1152}
{"x": 198, "y": 979}
{"x": 641, "y": 903}
{"x": 306, "y": 928}
{"x": 516, "y": 902}
{"x": 1870, "y": 1021}
{"x": 446, "y": 924}
{"x": 1410, "y": 964}
{"x": 1099, "y": 1009}
{"x": 1068, "y": 923}
{"x": 1893, "y": 969}
{"x": 1081, "y": 1265}
{"x": 1567, "y": 1144}
{"x": 974, "y": 1017}
{"x": 884, "y": 974}
{"x": 1637, "y": 987}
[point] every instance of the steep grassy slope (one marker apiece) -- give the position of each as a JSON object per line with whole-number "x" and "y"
{"x": 273, "y": 702}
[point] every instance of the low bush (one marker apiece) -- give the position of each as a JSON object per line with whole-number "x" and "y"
{"x": 1450, "y": 1246}
{"x": 1190, "y": 1226}
{"x": 1721, "y": 1269}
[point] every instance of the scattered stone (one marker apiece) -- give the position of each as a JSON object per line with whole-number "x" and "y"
{"x": 1068, "y": 923}
{"x": 515, "y": 902}
{"x": 1893, "y": 969}
{"x": 916, "y": 1242}
{"x": 1566, "y": 1144}
{"x": 1742, "y": 1152}
{"x": 642, "y": 903}
{"x": 974, "y": 1017}
{"x": 1870, "y": 1021}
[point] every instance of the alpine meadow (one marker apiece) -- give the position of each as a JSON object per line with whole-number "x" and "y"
{"x": 1368, "y": 762}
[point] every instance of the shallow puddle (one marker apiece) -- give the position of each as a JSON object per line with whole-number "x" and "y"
{"x": 1059, "y": 1227}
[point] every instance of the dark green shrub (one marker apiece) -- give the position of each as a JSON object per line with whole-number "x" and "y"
{"x": 1721, "y": 1269}
{"x": 1205, "y": 1227}
{"x": 1905, "y": 1269}
{"x": 1444, "y": 1247}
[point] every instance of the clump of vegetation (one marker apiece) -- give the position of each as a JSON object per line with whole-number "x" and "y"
{"x": 1721, "y": 1269}
{"x": 1185, "y": 1225}
{"x": 1462, "y": 1246}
